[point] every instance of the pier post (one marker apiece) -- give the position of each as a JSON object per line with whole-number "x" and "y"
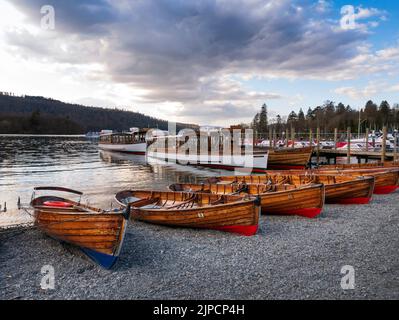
{"x": 395, "y": 146}
{"x": 335, "y": 138}
{"x": 270, "y": 138}
{"x": 293, "y": 136}
{"x": 384, "y": 144}
{"x": 367, "y": 139}
{"x": 287, "y": 135}
{"x": 348, "y": 152}
{"x": 318, "y": 145}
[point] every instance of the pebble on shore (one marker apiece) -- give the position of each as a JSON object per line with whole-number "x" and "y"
{"x": 289, "y": 258}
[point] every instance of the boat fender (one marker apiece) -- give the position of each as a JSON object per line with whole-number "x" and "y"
{"x": 257, "y": 201}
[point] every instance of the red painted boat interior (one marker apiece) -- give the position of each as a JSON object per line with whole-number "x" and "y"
{"x": 60, "y": 204}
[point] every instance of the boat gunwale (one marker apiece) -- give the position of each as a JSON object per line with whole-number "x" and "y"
{"x": 241, "y": 200}
{"x": 297, "y": 188}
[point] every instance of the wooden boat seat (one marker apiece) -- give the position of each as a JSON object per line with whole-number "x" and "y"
{"x": 151, "y": 206}
{"x": 226, "y": 182}
{"x": 145, "y": 202}
{"x": 220, "y": 200}
{"x": 131, "y": 199}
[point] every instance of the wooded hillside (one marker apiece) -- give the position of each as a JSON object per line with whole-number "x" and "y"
{"x": 39, "y": 115}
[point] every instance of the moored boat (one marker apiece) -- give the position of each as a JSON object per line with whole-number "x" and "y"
{"x": 289, "y": 158}
{"x": 276, "y": 199}
{"x": 256, "y": 162}
{"x": 339, "y": 189}
{"x": 98, "y": 233}
{"x": 354, "y": 166}
{"x": 193, "y": 210}
{"x": 132, "y": 142}
{"x": 219, "y": 150}
{"x": 386, "y": 179}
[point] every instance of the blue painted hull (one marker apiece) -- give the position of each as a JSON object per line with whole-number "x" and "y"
{"x": 105, "y": 260}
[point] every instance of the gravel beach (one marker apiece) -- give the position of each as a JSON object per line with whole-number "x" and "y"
{"x": 289, "y": 258}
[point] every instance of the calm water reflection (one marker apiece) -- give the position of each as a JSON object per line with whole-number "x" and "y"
{"x": 77, "y": 163}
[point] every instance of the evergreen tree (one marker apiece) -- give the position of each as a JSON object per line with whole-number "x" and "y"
{"x": 292, "y": 119}
{"x": 309, "y": 114}
{"x": 279, "y": 126}
{"x": 301, "y": 115}
{"x": 255, "y": 123}
{"x": 263, "y": 121}
{"x": 384, "y": 111}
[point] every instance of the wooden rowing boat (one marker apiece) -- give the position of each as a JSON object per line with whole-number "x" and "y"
{"x": 276, "y": 199}
{"x": 386, "y": 179}
{"x": 96, "y": 232}
{"x": 339, "y": 189}
{"x": 289, "y": 158}
{"x": 369, "y": 165}
{"x": 193, "y": 210}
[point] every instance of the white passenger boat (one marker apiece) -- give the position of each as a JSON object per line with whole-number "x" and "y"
{"x": 128, "y": 142}
{"x": 257, "y": 162}
{"x": 202, "y": 149}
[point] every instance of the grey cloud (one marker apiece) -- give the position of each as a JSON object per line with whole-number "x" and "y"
{"x": 87, "y": 16}
{"x": 176, "y": 49}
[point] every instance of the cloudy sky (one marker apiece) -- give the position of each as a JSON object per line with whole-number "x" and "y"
{"x": 202, "y": 61}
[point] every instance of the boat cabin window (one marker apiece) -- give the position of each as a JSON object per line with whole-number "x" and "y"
{"x": 123, "y": 138}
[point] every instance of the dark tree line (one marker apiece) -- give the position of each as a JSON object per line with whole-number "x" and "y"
{"x": 29, "y": 114}
{"x": 38, "y": 124}
{"x": 330, "y": 116}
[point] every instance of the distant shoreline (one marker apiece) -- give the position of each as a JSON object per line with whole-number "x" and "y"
{"x": 40, "y": 135}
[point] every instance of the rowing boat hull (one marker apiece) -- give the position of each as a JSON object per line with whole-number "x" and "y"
{"x": 341, "y": 189}
{"x": 99, "y": 235}
{"x": 338, "y": 189}
{"x": 306, "y": 201}
{"x": 386, "y": 179}
{"x": 134, "y": 148}
{"x": 357, "y": 191}
{"x": 239, "y": 216}
{"x": 257, "y": 162}
{"x": 289, "y": 158}
{"x": 386, "y": 182}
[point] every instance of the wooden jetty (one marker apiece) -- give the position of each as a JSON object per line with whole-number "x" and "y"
{"x": 333, "y": 153}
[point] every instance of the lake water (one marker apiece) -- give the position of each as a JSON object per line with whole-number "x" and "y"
{"x": 77, "y": 163}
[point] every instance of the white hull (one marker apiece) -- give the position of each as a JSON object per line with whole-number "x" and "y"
{"x": 137, "y": 148}
{"x": 256, "y": 162}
